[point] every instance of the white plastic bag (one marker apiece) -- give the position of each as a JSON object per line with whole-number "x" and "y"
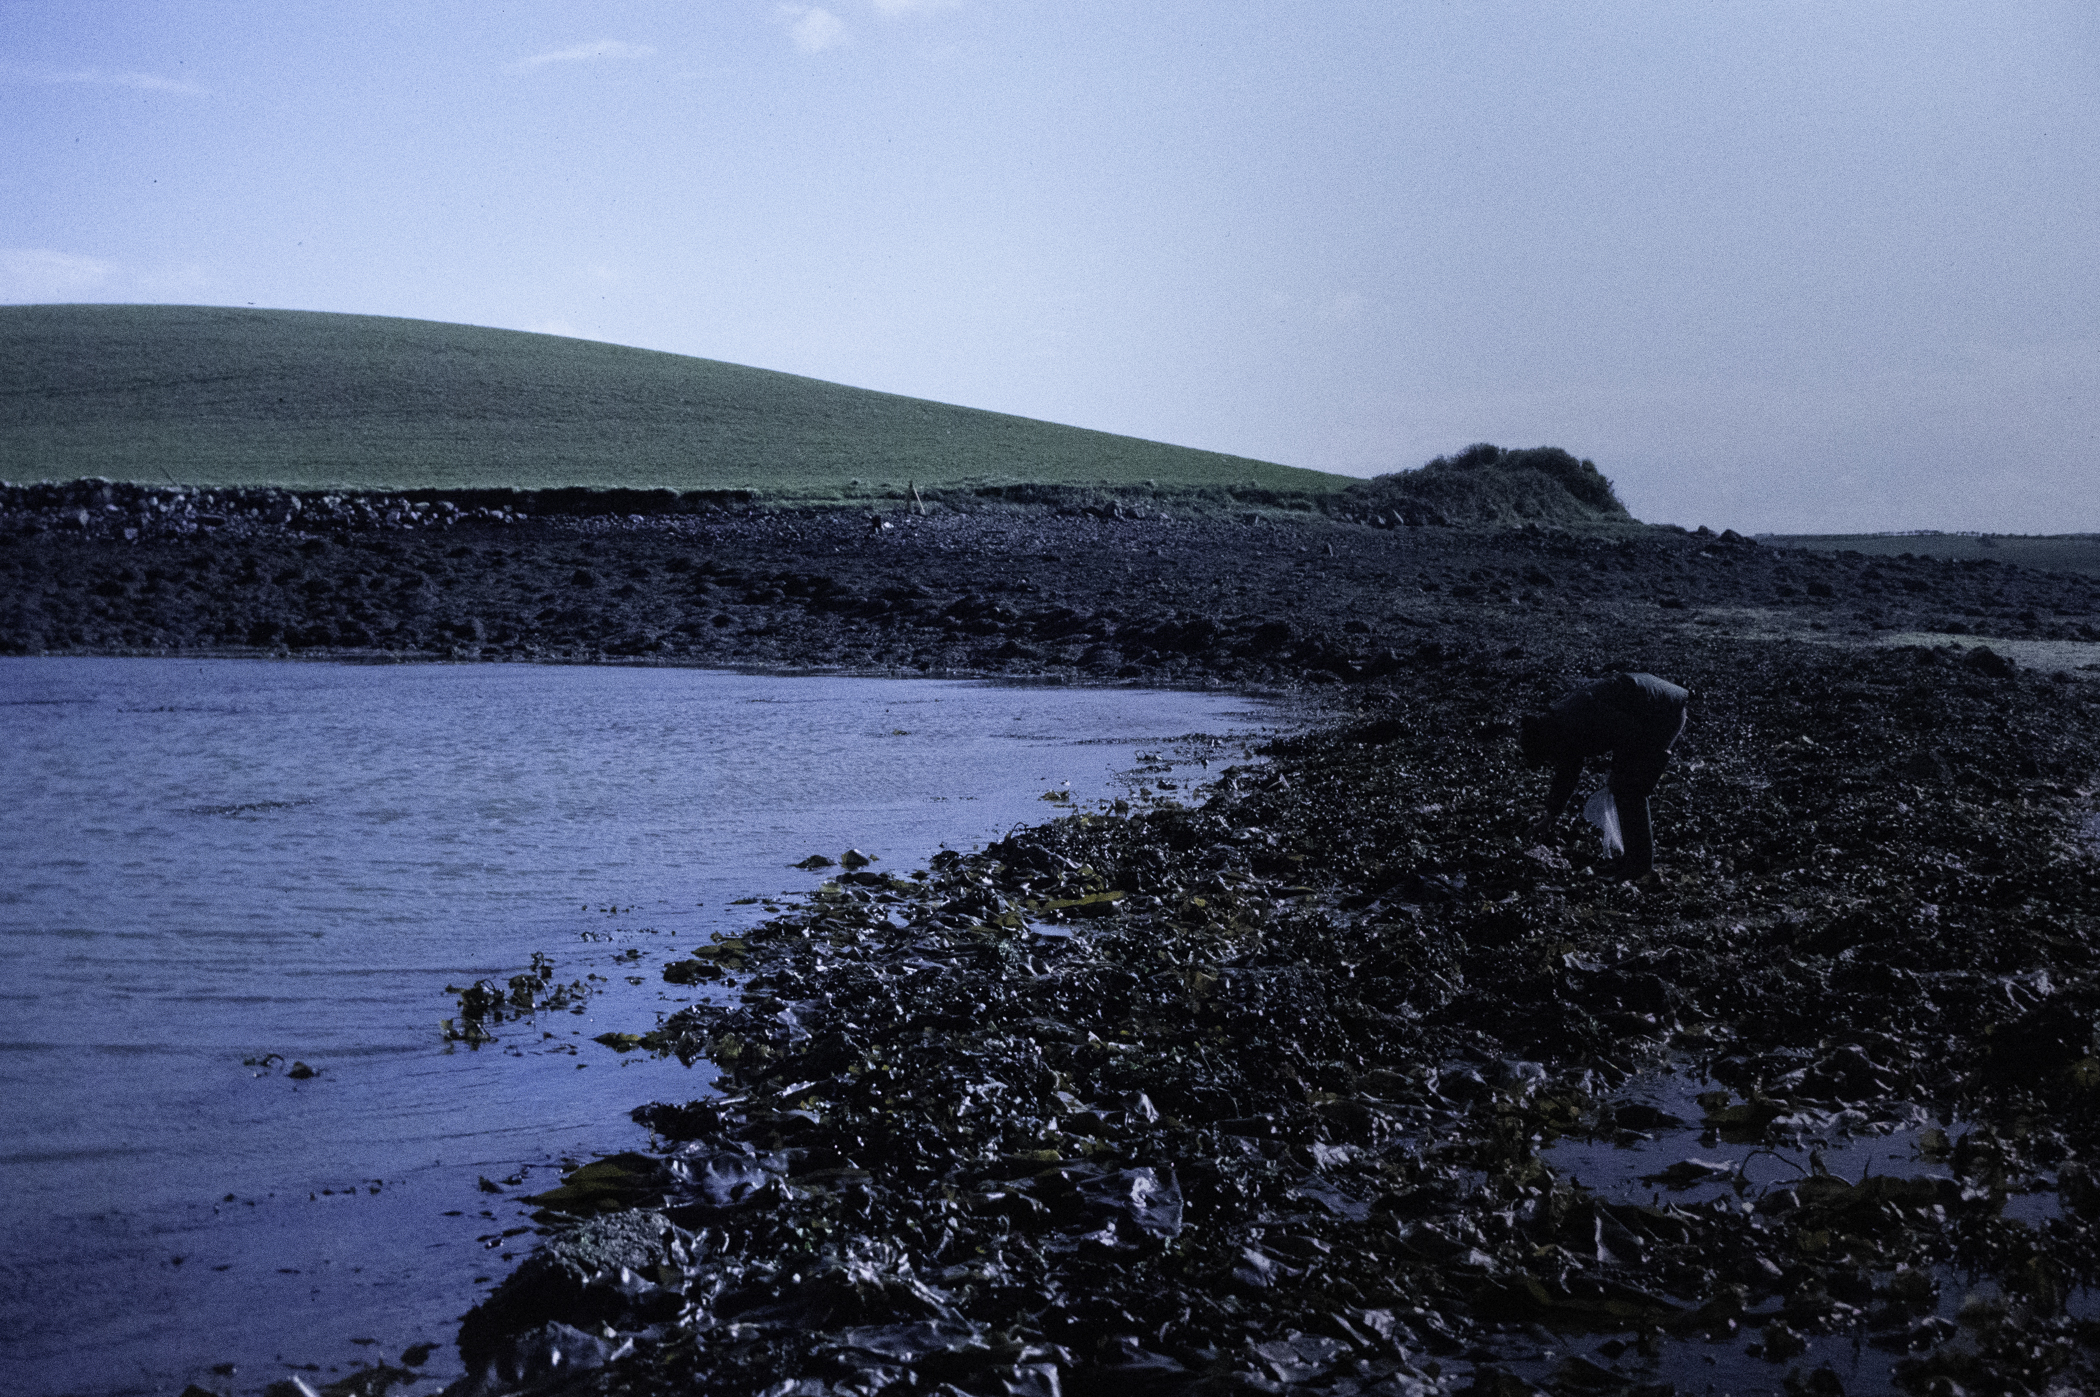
{"x": 1603, "y": 812}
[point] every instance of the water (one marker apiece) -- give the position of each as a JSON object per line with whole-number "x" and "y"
{"x": 1850, "y": 1144}
{"x": 217, "y": 869}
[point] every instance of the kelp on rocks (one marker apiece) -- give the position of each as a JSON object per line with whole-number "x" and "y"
{"x": 1254, "y": 1095}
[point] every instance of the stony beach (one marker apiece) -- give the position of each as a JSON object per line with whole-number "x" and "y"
{"x": 1255, "y": 1084}
{"x": 1120, "y": 591}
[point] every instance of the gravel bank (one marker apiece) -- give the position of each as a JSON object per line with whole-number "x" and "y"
{"x": 1260, "y": 598}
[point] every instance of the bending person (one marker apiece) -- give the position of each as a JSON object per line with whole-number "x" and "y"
{"x": 1634, "y": 717}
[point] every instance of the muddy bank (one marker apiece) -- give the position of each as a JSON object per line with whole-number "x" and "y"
{"x": 1253, "y": 596}
{"x": 1256, "y": 1093}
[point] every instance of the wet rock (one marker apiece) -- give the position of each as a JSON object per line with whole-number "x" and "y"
{"x": 1299, "y": 1357}
{"x": 582, "y": 1275}
{"x": 1986, "y": 661}
{"x": 1821, "y": 1381}
{"x": 293, "y": 1386}
{"x": 1492, "y": 1381}
{"x": 536, "y": 1358}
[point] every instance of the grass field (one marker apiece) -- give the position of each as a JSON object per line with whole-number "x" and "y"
{"x": 200, "y": 395}
{"x": 2048, "y": 552}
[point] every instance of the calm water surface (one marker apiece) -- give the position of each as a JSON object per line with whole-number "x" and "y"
{"x": 211, "y": 862}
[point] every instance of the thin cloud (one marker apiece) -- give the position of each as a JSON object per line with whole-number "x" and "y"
{"x": 813, "y": 29}
{"x": 583, "y": 53}
{"x": 904, "y": 9}
{"x": 138, "y": 82}
{"x": 32, "y": 274}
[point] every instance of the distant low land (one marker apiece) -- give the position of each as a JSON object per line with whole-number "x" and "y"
{"x": 220, "y": 396}
{"x": 2062, "y": 552}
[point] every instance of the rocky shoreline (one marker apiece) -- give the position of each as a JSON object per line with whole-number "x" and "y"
{"x": 1257, "y": 1094}
{"x": 1103, "y": 593}
{"x": 1257, "y": 1088}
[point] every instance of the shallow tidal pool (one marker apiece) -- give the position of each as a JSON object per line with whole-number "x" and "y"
{"x": 238, "y": 892}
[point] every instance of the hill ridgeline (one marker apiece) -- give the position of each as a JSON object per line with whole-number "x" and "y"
{"x": 215, "y": 396}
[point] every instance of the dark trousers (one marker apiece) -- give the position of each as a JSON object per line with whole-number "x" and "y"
{"x": 1633, "y": 779}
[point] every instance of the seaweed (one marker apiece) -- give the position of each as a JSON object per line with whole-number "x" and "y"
{"x": 1263, "y": 1093}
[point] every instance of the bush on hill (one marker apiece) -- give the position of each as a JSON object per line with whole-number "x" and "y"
{"x": 1487, "y": 484}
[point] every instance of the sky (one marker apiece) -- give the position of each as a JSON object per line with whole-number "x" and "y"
{"x": 1774, "y": 266}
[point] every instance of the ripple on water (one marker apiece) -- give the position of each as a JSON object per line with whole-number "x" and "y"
{"x": 220, "y": 869}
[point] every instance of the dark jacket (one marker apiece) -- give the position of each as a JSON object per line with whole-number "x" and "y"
{"x": 1635, "y": 717}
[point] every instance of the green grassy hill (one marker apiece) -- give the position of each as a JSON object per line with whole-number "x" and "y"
{"x": 203, "y": 395}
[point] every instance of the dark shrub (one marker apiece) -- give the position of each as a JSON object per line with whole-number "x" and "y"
{"x": 1489, "y": 484}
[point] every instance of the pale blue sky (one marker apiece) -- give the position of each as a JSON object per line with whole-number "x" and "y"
{"x": 1772, "y": 265}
